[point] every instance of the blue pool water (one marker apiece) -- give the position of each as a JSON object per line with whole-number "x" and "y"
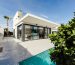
{"x": 40, "y": 59}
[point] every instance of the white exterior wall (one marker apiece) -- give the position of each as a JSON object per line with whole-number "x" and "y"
{"x": 16, "y": 32}
{"x": 1, "y": 33}
{"x": 16, "y": 19}
{"x": 1, "y": 30}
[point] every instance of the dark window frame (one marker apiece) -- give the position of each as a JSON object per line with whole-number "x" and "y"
{"x": 18, "y": 31}
{"x": 37, "y": 30}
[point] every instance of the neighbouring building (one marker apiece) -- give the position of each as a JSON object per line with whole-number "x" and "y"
{"x": 1, "y": 32}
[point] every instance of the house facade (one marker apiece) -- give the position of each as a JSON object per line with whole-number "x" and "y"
{"x": 1, "y": 32}
{"x": 32, "y": 31}
{"x": 31, "y": 27}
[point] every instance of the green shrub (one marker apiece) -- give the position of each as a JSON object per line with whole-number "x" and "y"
{"x": 64, "y": 41}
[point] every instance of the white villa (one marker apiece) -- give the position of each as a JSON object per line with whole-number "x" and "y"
{"x": 31, "y": 27}
{"x": 33, "y": 33}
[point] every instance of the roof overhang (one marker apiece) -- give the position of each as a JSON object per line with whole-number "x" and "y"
{"x": 32, "y": 19}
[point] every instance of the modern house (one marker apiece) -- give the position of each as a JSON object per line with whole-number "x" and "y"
{"x": 31, "y": 27}
{"x": 33, "y": 33}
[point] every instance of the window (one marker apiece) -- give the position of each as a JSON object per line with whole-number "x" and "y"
{"x": 31, "y": 32}
{"x": 28, "y": 35}
{"x": 34, "y": 32}
{"x": 46, "y": 32}
{"x": 41, "y": 33}
{"x": 19, "y": 32}
{"x": 49, "y": 30}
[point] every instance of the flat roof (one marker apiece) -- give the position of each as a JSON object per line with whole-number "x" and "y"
{"x": 33, "y": 19}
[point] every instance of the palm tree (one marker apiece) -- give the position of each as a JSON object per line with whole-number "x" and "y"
{"x": 7, "y": 19}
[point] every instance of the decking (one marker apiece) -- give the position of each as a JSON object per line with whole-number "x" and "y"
{"x": 15, "y": 50}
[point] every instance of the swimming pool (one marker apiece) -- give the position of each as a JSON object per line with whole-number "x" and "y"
{"x": 40, "y": 59}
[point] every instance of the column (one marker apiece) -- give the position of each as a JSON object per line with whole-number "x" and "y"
{"x": 23, "y": 32}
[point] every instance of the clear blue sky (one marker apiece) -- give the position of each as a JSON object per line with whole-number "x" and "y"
{"x": 59, "y": 11}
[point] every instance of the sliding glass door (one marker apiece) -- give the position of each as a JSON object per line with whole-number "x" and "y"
{"x": 33, "y": 32}
{"x": 41, "y": 33}
{"x": 28, "y": 30}
{"x": 19, "y": 32}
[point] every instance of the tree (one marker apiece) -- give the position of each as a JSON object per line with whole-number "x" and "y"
{"x": 64, "y": 41}
{"x": 7, "y": 19}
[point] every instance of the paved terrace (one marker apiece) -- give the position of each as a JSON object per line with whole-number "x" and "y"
{"x": 15, "y": 50}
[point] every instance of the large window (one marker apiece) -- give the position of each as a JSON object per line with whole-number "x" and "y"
{"x": 41, "y": 33}
{"x": 49, "y": 30}
{"x": 28, "y": 35}
{"x": 19, "y": 29}
{"x": 33, "y": 32}
{"x": 46, "y": 32}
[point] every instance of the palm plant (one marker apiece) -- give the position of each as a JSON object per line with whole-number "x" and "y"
{"x": 7, "y": 20}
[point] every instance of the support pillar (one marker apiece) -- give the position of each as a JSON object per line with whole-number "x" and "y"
{"x": 23, "y": 32}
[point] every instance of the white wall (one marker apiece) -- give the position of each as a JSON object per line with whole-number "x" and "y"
{"x": 17, "y": 17}
{"x": 1, "y": 30}
{"x": 1, "y": 33}
{"x": 15, "y": 32}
